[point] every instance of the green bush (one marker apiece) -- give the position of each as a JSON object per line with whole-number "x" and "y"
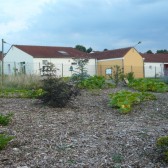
{"x": 57, "y": 92}
{"x": 124, "y": 100}
{"x": 4, "y": 139}
{"x": 94, "y": 82}
{"x": 148, "y": 85}
{"x": 162, "y": 146}
{"x": 5, "y": 119}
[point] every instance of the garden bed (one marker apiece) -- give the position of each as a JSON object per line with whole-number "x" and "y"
{"x": 87, "y": 133}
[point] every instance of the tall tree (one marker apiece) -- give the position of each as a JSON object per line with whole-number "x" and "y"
{"x": 81, "y": 48}
{"x": 162, "y": 51}
{"x": 149, "y": 52}
{"x": 89, "y": 50}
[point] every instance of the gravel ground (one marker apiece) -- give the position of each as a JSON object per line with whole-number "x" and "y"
{"x": 85, "y": 134}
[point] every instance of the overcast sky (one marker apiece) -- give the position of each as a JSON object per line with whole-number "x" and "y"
{"x": 98, "y": 24}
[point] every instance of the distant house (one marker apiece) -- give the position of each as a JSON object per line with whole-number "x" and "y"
{"x": 155, "y": 65}
{"x": 127, "y": 58}
{"x": 35, "y": 60}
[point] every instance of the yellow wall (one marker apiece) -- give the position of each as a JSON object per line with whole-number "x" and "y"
{"x": 103, "y": 65}
{"x": 133, "y": 62}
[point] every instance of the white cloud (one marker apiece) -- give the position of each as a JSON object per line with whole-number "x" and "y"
{"x": 17, "y": 15}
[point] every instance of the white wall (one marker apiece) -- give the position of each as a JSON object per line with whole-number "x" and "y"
{"x": 153, "y": 69}
{"x": 13, "y": 58}
{"x": 63, "y": 65}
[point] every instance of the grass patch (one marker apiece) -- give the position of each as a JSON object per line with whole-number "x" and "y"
{"x": 4, "y": 140}
{"x": 5, "y": 119}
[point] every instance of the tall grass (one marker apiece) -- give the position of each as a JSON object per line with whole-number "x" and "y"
{"x": 22, "y": 81}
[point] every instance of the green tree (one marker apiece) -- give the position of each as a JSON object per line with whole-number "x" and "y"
{"x": 89, "y": 50}
{"x": 81, "y": 48}
{"x": 162, "y": 51}
{"x": 149, "y": 52}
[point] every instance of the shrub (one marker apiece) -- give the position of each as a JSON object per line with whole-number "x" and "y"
{"x": 4, "y": 139}
{"x": 57, "y": 92}
{"x": 124, "y": 100}
{"x": 94, "y": 82}
{"x": 162, "y": 146}
{"x": 5, "y": 119}
{"x": 148, "y": 85}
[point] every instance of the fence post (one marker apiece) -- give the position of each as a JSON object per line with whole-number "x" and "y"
{"x": 62, "y": 69}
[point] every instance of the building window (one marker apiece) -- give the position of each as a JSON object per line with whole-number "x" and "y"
{"x": 150, "y": 67}
{"x": 44, "y": 62}
{"x": 108, "y": 71}
{"x": 9, "y": 69}
{"x": 73, "y": 63}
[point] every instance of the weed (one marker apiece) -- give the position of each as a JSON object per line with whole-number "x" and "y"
{"x": 4, "y": 139}
{"x": 117, "y": 158}
{"x": 162, "y": 147}
{"x": 5, "y": 119}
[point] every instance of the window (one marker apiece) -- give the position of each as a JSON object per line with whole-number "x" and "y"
{"x": 44, "y": 62}
{"x": 73, "y": 63}
{"x": 108, "y": 71}
{"x": 150, "y": 67}
{"x": 9, "y": 68}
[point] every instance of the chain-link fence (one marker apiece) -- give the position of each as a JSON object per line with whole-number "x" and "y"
{"x": 65, "y": 70}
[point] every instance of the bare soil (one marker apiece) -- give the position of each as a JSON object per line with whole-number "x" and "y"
{"x": 87, "y": 133}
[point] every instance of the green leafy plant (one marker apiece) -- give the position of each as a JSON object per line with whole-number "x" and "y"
{"x": 5, "y": 119}
{"x": 124, "y": 100}
{"x": 130, "y": 76}
{"x": 4, "y": 140}
{"x": 148, "y": 85}
{"x": 57, "y": 92}
{"x": 94, "y": 82}
{"x": 162, "y": 146}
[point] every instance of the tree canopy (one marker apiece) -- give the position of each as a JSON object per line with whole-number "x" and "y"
{"x": 162, "y": 51}
{"x": 149, "y": 52}
{"x": 83, "y": 48}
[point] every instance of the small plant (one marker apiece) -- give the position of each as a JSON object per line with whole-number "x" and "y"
{"x": 124, "y": 100}
{"x": 57, "y": 92}
{"x": 130, "y": 76}
{"x": 162, "y": 146}
{"x": 117, "y": 158}
{"x": 117, "y": 74}
{"x": 5, "y": 119}
{"x": 4, "y": 139}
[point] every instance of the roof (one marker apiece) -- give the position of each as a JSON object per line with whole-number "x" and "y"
{"x": 155, "y": 57}
{"x": 51, "y": 51}
{"x": 117, "y": 53}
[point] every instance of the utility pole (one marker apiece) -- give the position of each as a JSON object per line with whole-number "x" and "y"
{"x": 2, "y": 62}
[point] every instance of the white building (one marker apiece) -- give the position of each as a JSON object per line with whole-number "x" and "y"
{"x": 35, "y": 60}
{"x": 155, "y": 65}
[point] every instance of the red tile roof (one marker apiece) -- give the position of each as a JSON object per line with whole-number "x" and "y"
{"x": 117, "y": 53}
{"x": 51, "y": 51}
{"x": 155, "y": 57}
